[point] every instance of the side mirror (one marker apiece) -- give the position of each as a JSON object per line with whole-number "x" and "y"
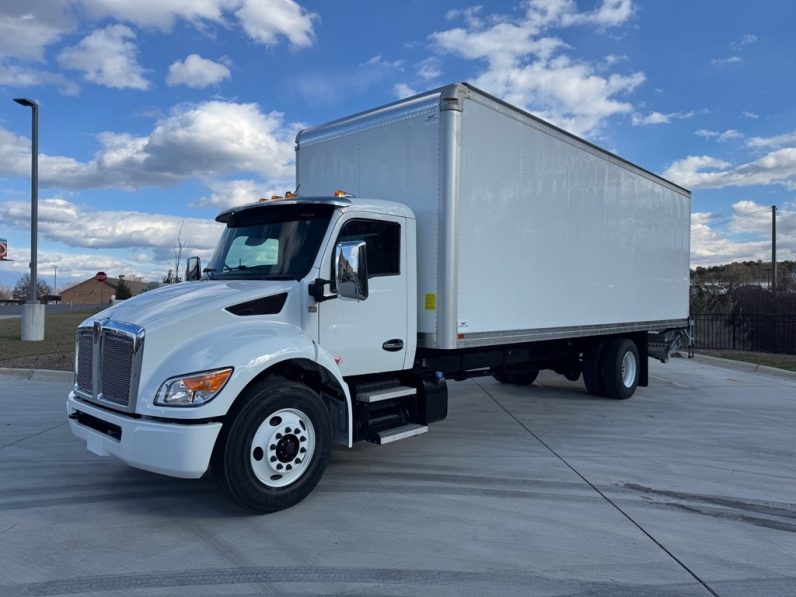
{"x": 351, "y": 270}
{"x": 193, "y": 269}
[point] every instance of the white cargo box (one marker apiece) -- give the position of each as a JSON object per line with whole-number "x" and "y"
{"x": 524, "y": 231}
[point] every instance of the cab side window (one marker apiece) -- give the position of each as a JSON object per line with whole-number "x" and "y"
{"x": 383, "y": 240}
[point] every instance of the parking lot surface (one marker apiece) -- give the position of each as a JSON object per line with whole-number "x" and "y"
{"x": 688, "y": 488}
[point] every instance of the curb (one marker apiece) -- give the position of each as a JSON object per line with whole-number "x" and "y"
{"x": 744, "y": 366}
{"x": 38, "y": 374}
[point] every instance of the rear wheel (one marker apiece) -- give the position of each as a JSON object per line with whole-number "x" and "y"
{"x": 516, "y": 378}
{"x": 592, "y": 370}
{"x": 274, "y": 451}
{"x": 621, "y": 366}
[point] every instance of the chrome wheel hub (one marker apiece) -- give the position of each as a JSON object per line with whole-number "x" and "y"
{"x": 282, "y": 447}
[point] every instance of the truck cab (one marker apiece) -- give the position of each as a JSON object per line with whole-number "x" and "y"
{"x": 306, "y": 297}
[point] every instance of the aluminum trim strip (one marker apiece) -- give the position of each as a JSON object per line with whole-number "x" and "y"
{"x": 389, "y": 113}
{"x": 561, "y": 333}
{"x": 448, "y": 233}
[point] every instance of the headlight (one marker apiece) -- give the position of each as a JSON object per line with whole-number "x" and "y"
{"x": 192, "y": 390}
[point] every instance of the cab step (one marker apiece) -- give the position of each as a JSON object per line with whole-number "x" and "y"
{"x": 387, "y": 436}
{"x": 371, "y": 396}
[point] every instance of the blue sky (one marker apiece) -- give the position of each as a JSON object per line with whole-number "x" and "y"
{"x": 156, "y": 114}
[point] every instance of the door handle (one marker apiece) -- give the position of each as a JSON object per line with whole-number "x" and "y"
{"x": 393, "y": 345}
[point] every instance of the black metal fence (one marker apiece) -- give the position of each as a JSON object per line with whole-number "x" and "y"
{"x": 752, "y": 332}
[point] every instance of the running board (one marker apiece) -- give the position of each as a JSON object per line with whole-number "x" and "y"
{"x": 386, "y": 394}
{"x": 393, "y": 435}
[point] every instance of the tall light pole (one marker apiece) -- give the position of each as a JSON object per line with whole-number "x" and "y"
{"x": 774, "y": 250}
{"x": 32, "y": 315}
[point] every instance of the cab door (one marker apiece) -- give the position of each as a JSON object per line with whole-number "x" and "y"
{"x": 369, "y": 336}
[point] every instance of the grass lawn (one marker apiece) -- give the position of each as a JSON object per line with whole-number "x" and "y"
{"x": 57, "y": 351}
{"x": 781, "y": 361}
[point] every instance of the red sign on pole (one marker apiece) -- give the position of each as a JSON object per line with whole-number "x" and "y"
{"x": 3, "y": 249}
{"x": 101, "y": 276}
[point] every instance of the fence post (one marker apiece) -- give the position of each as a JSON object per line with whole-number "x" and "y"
{"x": 733, "y": 331}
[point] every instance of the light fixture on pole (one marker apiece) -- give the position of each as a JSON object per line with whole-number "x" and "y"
{"x": 33, "y": 312}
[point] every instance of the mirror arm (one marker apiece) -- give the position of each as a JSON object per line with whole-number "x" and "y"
{"x": 318, "y": 290}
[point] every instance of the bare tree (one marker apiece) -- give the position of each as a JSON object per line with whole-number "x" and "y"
{"x": 22, "y": 288}
{"x": 173, "y": 277}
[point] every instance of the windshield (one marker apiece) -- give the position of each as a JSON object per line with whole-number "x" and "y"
{"x": 276, "y": 242}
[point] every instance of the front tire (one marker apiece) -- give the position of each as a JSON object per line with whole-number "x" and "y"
{"x": 275, "y": 449}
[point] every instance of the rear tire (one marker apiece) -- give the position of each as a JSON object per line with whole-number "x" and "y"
{"x": 516, "y": 378}
{"x": 275, "y": 448}
{"x": 592, "y": 370}
{"x": 621, "y": 366}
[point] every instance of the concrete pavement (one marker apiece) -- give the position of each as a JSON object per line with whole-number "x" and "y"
{"x": 686, "y": 489}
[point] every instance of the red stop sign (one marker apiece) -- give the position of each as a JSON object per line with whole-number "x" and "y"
{"x": 101, "y": 276}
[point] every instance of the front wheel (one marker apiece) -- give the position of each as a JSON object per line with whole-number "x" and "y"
{"x": 274, "y": 451}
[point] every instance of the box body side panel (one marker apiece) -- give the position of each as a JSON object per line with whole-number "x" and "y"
{"x": 553, "y": 236}
{"x": 395, "y": 159}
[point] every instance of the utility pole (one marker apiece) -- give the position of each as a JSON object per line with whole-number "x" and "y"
{"x": 774, "y": 249}
{"x": 55, "y": 279}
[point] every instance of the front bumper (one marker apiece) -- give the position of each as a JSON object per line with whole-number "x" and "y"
{"x": 177, "y": 450}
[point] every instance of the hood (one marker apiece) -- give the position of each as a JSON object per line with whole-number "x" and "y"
{"x": 192, "y": 299}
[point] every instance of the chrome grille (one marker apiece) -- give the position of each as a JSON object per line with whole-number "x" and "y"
{"x": 116, "y": 368}
{"x": 109, "y": 363}
{"x": 85, "y": 356}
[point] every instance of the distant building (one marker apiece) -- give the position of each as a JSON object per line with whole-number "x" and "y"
{"x": 91, "y": 292}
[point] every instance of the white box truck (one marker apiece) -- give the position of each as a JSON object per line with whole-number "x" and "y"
{"x": 472, "y": 239}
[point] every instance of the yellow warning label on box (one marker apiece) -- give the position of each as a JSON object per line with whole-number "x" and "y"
{"x": 431, "y": 301}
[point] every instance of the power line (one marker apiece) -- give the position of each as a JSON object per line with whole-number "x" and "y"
{"x": 738, "y": 217}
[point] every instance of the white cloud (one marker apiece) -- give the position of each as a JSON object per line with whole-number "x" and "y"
{"x": 612, "y": 59}
{"x": 777, "y": 167}
{"x": 429, "y": 69}
{"x": 744, "y": 235}
{"x": 160, "y": 14}
{"x": 660, "y": 118}
{"x": 77, "y": 267}
{"x": 19, "y": 76}
{"x": 402, "y": 91}
{"x": 725, "y": 61}
{"x": 265, "y": 21}
{"x": 197, "y": 72}
{"x": 747, "y": 114}
{"x": 747, "y": 39}
{"x": 194, "y": 141}
{"x": 27, "y": 27}
{"x": 107, "y": 57}
{"x": 231, "y": 193}
{"x": 469, "y": 15}
{"x": 728, "y": 135}
{"x": 610, "y": 13}
{"x": 772, "y": 142}
{"x": 526, "y": 67}
{"x": 76, "y": 226}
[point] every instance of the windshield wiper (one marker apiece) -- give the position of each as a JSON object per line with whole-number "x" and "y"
{"x": 242, "y": 267}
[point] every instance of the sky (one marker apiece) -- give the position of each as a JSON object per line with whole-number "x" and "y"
{"x": 157, "y": 114}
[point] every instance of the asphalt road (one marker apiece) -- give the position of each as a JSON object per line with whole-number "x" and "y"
{"x": 686, "y": 489}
